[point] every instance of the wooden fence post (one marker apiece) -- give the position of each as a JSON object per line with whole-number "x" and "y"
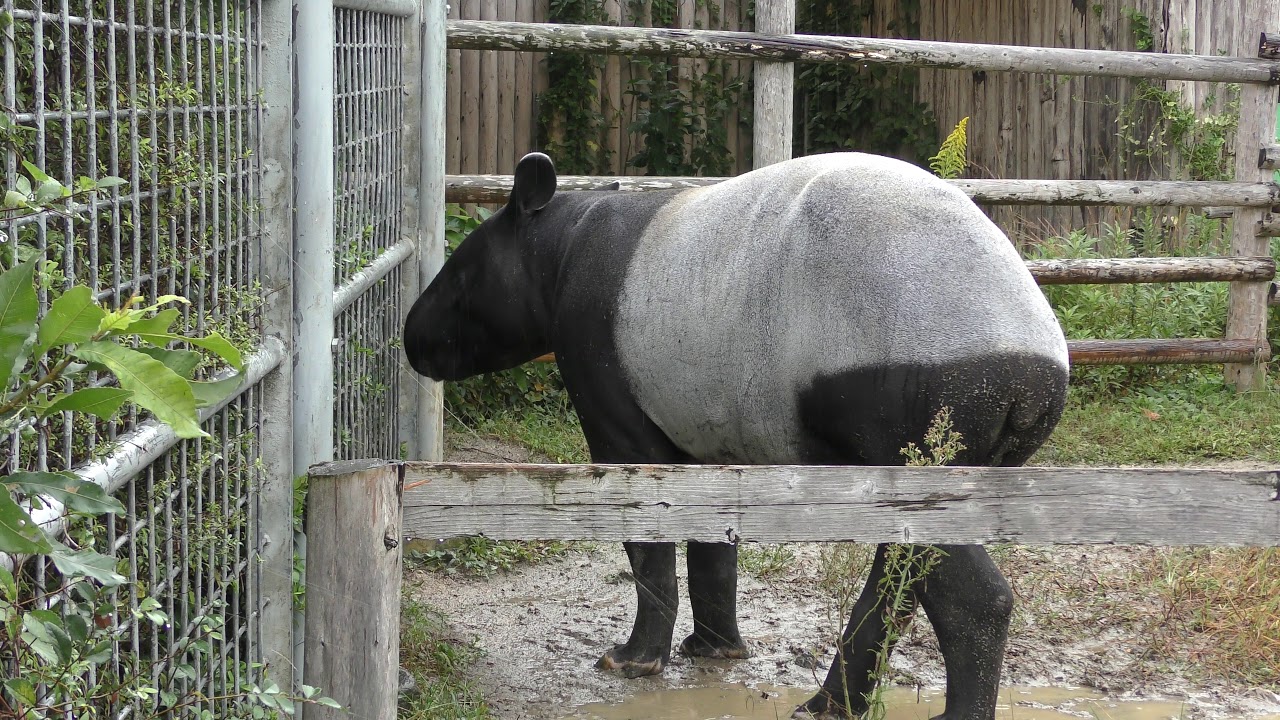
{"x": 1247, "y": 311}
{"x": 775, "y": 88}
{"x": 353, "y": 587}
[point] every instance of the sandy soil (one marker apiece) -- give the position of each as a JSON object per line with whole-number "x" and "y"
{"x": 541, "y": 628}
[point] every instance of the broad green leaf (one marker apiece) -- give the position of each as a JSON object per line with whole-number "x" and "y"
{"x": 110, "y": 181}
{"x": 182, "y": 362}
{"x": 86, "y": 563}
{"x": 158, "y": 324}
{"x": 76, "y": 627}
{"x": 165, "y": 300}
{"x": 101, "y": 402}
{"x": 210, "y": 393}
{"x": 214, "y": 343}
{"x": 70, "y": 490}
{"x": 73, "y": 318}
{"x": 23, "y": 690}
{"x": 100, "y": 653}
{"x": 18, "y": 532}
{"x": 49, "y": 191}
{"x": 116, "y": 321}
{"x": 23, "y": 185}
{"x": 14, "y": 199}
{"x": 154, "y": 386}
{"x": 36, "y": 634}
{"x": 17, "y": 317}
{"x": 36, "y": 173}
{"x": 8, "y": 588}
{"x": 329, "y": 702}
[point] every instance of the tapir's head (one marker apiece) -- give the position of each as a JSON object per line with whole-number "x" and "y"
{"x": 481, "y": 313}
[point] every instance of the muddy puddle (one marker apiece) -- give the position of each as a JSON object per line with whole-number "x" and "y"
{"x": 764, "y": 702}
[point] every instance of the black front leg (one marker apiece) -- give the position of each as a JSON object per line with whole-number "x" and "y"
{"x": 648, "y": 649}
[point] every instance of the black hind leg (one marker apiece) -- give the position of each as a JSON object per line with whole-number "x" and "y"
{"x": 969, "y": 603}
{"x": 884, "y": 607}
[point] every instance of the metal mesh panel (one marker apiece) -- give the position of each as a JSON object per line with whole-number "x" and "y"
{"x": 165, "y": 96}
{"x": 368, "y": 185}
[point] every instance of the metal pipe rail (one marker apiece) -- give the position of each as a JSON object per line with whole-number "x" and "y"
{"x": 370, "y": 274}
{"x": 603, "y": 39}
{"x": 145, "y": 444}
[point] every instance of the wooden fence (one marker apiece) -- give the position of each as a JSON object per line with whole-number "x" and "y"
{"x": 361, "y": 509}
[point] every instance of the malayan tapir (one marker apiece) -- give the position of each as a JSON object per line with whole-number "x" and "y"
{"x": 820, "y": 310}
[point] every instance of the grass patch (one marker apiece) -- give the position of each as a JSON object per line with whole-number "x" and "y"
{"x": 482, "y": 557}
{"x": 549, "y": 432}
{"x": 1191, "y": 423}
{"x": 439, "y": 665}
{"x": 764, "y": 560}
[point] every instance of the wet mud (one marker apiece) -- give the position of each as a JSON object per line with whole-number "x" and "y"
{"x": 541, "y": 628}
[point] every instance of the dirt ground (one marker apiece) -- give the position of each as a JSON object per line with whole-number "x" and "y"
{"x": 542, "y": 627}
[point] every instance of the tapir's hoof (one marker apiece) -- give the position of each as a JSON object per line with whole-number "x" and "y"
{"x": 820, "y": 707}
{"x": 697, "y": 646}
{"x": 628, "y": 662}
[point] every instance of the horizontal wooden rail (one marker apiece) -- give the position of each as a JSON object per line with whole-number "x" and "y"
{"x": 1151, "y": 270}
{"x": 1146, "y": 193}
{"x": 603, "y": 39}
{"x": 789, "y": 503}
{"x": 1185, "y": 351}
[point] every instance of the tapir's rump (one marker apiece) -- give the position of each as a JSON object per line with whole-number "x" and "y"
{"x": 839, "y": 273}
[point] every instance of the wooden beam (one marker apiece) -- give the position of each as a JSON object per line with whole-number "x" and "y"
{"x": 1247, "y": 302}
{"x": 1186, "y": 351}
{"x": 1150, "y": 270}
{"x": 1269, "y": 158}
{"x": 774, "y": 88}
{"x": 496, "y": 189}
{"x": 601, "y": 39}
{"x": 1183, "y": 506}
{"x": 353, "y": 587}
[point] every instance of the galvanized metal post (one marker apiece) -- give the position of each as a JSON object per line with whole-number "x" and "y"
{"x": 275, "y": 491}
{"x": 431, "y": 242}
{"x": 313, "y": 34}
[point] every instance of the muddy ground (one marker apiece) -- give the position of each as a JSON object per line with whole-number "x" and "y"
{"x": 542, "y": 627}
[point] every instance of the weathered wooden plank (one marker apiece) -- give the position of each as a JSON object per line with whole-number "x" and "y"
{"x": 353, "y": 588}
{"x": 1151, "y": 270}
{"x": 774, "y": 86}
{"x": 1269, "y": 158}
{"x": 1182, "y": 506}
{"x": 1247, "y": 303}
{"x": 496, "y": 188}
{"x": 1186, "y": 351}
{"x": 600, "y": 39}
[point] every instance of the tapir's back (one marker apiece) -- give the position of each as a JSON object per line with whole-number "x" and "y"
{"x": 858, "y": 271}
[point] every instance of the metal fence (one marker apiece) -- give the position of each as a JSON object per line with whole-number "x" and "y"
{"x": 192, "y": 103}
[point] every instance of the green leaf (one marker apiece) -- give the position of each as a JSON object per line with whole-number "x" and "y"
{"x": 67, "y": 488}
{"x": 36, "y": 173}
{"x": 157, "y": 324}
{"x": 155, "y": 387}
{"x": 182, "y": 362}
{"x": 8, "y": 588}
{"x": 18, "y": 532}
{"x": 100, "y": 402}
{"x": 17, "y": 317}
{"x": 329, "y": 702}
{"x": 214, "y": 343}
{"x": 14, "y": 199}
{"x": 23, "y": 690}
{"x": 100, "y": 653}
{"x": 49, "y": 191}
{"x": 72, "y": 318}
{"x": 86, "y": 563}
{"x": 110, "y": 181}
{"x": 210, "y": 393}
{"x": 23, "y": 185}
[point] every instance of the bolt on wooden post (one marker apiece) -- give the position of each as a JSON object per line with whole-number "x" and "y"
{"x": 1255, "y": 138}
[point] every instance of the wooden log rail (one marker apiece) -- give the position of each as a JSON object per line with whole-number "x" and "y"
{"x": 602, "y": 39}
{"x": 870, "y": 504}
{"x": 1145, "y": 193}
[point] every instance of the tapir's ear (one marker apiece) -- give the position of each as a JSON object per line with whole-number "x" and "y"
{"x": 535, "y": 183}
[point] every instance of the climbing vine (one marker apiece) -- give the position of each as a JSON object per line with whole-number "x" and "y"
{"x": 847, "y": 107}
{"x": 570, "y": 124}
